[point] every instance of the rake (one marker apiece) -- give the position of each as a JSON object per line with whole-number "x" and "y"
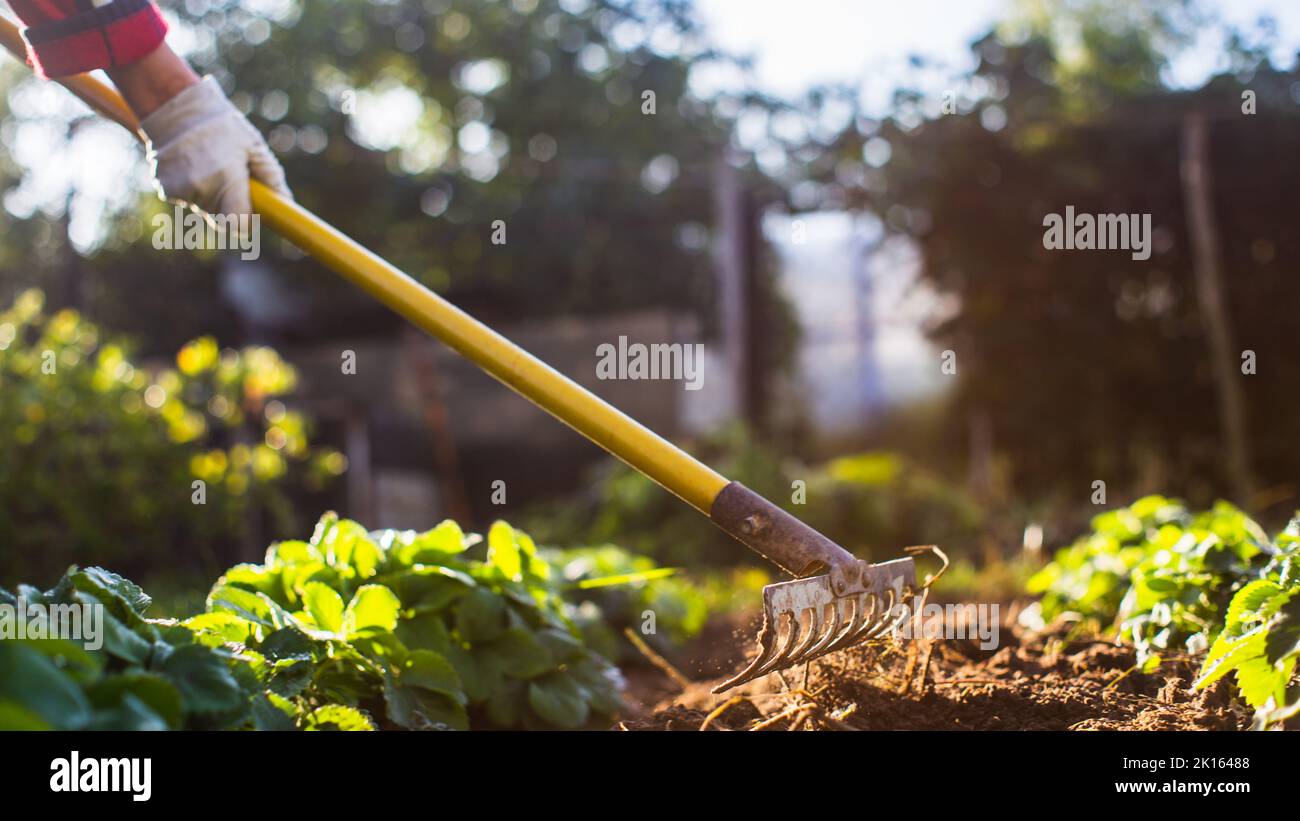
{"x": 850, "y": 602}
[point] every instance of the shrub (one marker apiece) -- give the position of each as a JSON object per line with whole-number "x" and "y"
{"x": 1260, "y": 639}
{"x": 99, "y": 455}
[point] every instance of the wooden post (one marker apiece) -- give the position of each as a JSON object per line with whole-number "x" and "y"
{"x": 1203, "y": 237}
{"x": 732, "y": 255}
{"x": 356, "y": 438}
{"x": 437, "y": 421}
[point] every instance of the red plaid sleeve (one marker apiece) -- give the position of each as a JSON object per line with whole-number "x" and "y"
{"x": 71, "y": 36}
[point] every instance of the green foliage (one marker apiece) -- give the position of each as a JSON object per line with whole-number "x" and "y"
{"x": 100, "y": 453}
{"x": 1169, "y": 580}
{"x": 872, "y": 503}
{"x": 147, "y": 675}
{"x": 1091, "y": 576}
{"x": 615, "y": 590}
{"x": 1164, "y": 576}
{"x": 1179, "y": 591}
{"x": 350, "y": 631}
{"x": 879, "y": 501}
{"x": 1260, "y": 639}
{"x": 407, "y": 626}
{"x": 1002, "y": 579}
{"x": 1101, "y": 48}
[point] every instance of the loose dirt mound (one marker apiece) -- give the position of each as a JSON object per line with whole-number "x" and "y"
{"x": 1035, "y": 681}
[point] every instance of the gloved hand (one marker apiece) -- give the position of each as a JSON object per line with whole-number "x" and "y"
{"x": 203, "y": 151}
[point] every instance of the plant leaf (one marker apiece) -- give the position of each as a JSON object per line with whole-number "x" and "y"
{"x": 521, "y": 653}
{"x": 503, "y": 551}
{"x": 324, "y": 605}
{"x": 32, "y": 684}
{"x": 480, "y": 615}
{"x": 1284, "y": 633}
{"x": 337, "y": 717}
{"x": 202, "y": 677}
{"x": 558, "y": 700}
{"x": 1247, "y": 602}
{"x": 416, "y": 708}
{"x": 373, "y": 606}
{"x": 430, "y": 671}
{"x": 149, "y": 689}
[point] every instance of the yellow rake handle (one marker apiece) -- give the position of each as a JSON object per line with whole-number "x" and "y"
{"x": 555, "y": 393}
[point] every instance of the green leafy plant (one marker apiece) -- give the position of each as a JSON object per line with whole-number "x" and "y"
{"x": 614, "y": 590}
{"x": 1179, "y": 592}
{"x": 407, "y": 626}
{"x": 1091, "y": 576}
{"x": 146, "y": 675}
{"x": 1260, "y": 639}
{"x": 1168, "y": 580}
{"x": 1162, "y": 575}
{"x": 100, "y": 454}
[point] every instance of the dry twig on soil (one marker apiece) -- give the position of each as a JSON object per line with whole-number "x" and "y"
{"x": 657, "y": 660}
{"x": 719, "y": 710}
{"x": 786, "y": 713}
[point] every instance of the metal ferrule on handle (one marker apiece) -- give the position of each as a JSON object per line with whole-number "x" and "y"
{"x": 784, "y": 540}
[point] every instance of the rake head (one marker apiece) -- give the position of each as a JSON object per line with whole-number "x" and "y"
{"x": 805, "y": 619}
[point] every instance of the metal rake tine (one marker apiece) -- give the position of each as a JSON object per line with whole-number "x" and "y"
{"x": 840, "y": 639}
{"x": 835, "y": 630}
{"x": 797, "y": 629}
{"x": 770, "y": 659}
{"x": 767, "y": 636}
{"x": 871, "y": 626}
{"x": 881, "y": 623}
{"x": 816, "y": 629}
{"x": 786, "y": 657}
{"x": 904, "y": 612}
{"x": 888, "y": 620}
{"x": 862, "y": 624}
{"x": 819, "y": 634}
{"x": 875, "y": 623}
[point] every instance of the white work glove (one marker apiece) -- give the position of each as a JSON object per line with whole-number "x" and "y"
{"x": 203, "y": 151}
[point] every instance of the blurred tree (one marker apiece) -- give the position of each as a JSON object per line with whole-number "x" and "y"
{"x": 415, "y": 125}
{"x": 431, "y": 131}
{"x": 1093, "y": 365}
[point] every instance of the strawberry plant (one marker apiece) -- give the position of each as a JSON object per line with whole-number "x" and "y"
{"x": 614, "y": 589}
{"x": 1260, "y": 639}
{"x": 1179, "y": 592}
{"x": 350, "y": 630}
{"x": 146, "y": 675}
{"x": 1162, "y": 575}
{"x": 407, "y": 627}
{"x": 1168, "y": 580}
{"x": 1091, "y": 576}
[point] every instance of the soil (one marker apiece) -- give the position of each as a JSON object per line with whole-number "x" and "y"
{"x": 1047, "y": 680}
